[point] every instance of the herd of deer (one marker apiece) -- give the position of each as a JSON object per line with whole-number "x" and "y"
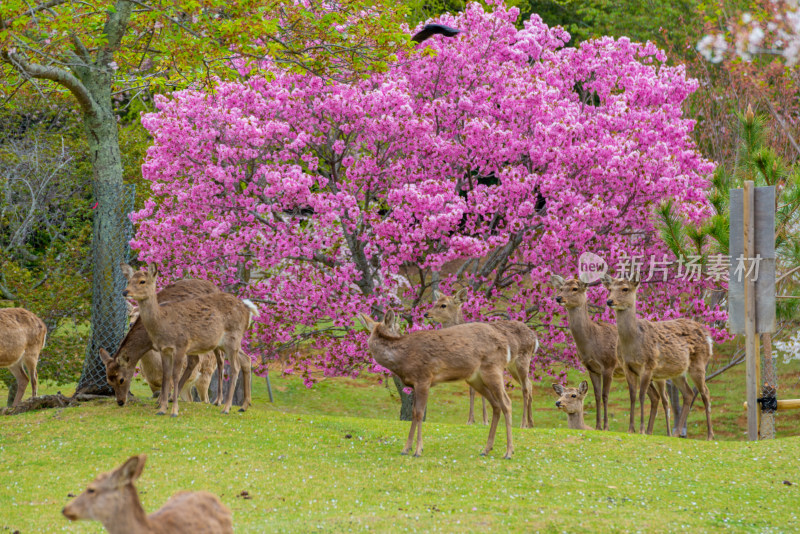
{"x": 646, "y": 353}
{"x": 186, "y": 329}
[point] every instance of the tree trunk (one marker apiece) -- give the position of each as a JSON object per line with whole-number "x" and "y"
{"x": 675, "y": 403}
{"x": 406, "y": 400}
{"x": 111, "y": 233}
{"x": 769, "y": 379}
{"x": 12, "y": 391}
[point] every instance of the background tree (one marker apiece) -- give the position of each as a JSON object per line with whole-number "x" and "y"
{"x": 474, "y": 162}
{"x": 94, "y": 50}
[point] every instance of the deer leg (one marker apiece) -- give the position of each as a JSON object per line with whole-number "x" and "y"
{"x": 33, "y": 375}
{"x": 220, "y": 370}
{"x": 699, "y": 379}
{"x": 654, "y": 399}
{"x": 483, "y": 408}
{"x": 597, "y": 386}
{"x": 246, "y": 364}
{"x": 494, "y": 390}
{"x": 166, "y": 380}
{"x": 22, "y": 381}
{"x": 177, "y": 364}
{"x": 661, "y": 387}
{"x": 506, "y": 407}
{"x": 631, "y": 379}
{"x": 232, "y": 355}
{"x": 410, "y": 440}
{"x": 688, "y": 398}
{"x": 471, "y": 417}
{"x": 644, "y": 387}
{"x": 521, "y": 375}
{"x": 420, "y": 402}
{"x": 608, "y": 377}
{"x": 192, "y": 361}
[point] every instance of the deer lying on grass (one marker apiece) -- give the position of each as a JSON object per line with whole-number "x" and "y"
{"x": 189, "y": 328}
{"x": 137, "y": 345}
{"x": 151, "y": 366}
{"x": 570, "y": 401}
{"x": 113, "y": 500}
{"x": 523, "y": 341}
{"x": 22, "y": 338}
{"x": 597, "y": 348}
{"x": 658, "y": 350}
{"x": 474, "y": 352}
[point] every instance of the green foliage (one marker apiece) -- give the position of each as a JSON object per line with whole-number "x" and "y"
{"x": 334, "y": 466}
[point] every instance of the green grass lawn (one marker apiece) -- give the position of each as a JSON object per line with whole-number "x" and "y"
{"x": 304, "y": 473}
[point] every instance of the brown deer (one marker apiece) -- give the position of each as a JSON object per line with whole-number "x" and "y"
{"x": 151, "y": 366}
{"x": 189, "y": 328}
{"x": 22, "y": 338}
{"x": 446, "y": 311}
{"x": 597, "y": 349}
{"x": 113, "y": 500}
{"x": 659, "y": 350}
{"x": 137, "y": 346}
{"x": 570, "y": 401}
{"x": 474, "y": 352}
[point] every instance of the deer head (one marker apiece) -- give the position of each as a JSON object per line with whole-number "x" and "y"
{"x": 570, "y": 293}
{"x": 141, "y": 285}
{"x": 118, "y": 376}
{"x": 570, "y": 400}
{"x": 108, "y": 494}
{"x": 446, "y": 310}
{"x": 621, "y": 292}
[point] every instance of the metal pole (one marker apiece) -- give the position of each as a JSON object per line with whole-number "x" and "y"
{"x": 750, "y": 313}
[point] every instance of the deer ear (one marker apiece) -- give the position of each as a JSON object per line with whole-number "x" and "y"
{"x": 367, "y": 321}
{"x": 581, "y": 285}
{"x": 152, "y": 270}
{"x": 461, "y": 296}
{"x": 389, "y": 318}
{"x": 435, "y": 295}
{"x": 583, "y": 388}
{"x": 607, "y": 281}
{"x": 127, "y": 270}
{"x": 130, "y": 470}
{"x": 559, "y": 389}
{"x": 556, "y": 281}
{"x": 636, "y": 281}
{"x": 105, "y": 356}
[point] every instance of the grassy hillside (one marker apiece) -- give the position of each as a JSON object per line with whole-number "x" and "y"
{"x": 328, "y": 459}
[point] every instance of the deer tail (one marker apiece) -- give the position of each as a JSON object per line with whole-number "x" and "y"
{"x": 253, "y": 310}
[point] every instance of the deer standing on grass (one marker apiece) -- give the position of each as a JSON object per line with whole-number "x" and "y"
{"x": 597, "y": 349}
{"x": 570, "y": 401}
{"x": 136, "y": 346}
{"x": 22, "y": 338}
{"x": 446, "y": 311}
{"x": 659, "y": 350}
{"x": 474, "y": 352}
{"x": 113, "y": 500}
{"x": 189, "y": 328}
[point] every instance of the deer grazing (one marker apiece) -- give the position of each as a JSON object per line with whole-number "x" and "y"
{"x": 446, "y": 311}
{"x": 597, "y": 349}
{"x": 659, "y": 350}
{"x": 137, "y": 346}
{"x": 151, "y": 366}
{"x": 113, "y": 500}
{"x": 570, "y": 401}
{"x": 189, "y": 328}
{"x": 475, "y": 352}
{"x": 22, "y": 338}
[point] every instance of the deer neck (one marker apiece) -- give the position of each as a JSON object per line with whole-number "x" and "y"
{"x": 150, "y": 314}
{"x": 128, "y": 517}
{"x": 575, "y": 421}
{"x": 628, "y": 325}
{"x": 382, "y": 345}
{"x": 457, "y": 319}
{"x": 581, "y": 326}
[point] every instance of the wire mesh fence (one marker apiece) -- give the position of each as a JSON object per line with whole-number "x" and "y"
{"x": 112, "y": 232}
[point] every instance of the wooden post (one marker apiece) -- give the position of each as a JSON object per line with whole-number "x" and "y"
{"x": 751, "y": 356}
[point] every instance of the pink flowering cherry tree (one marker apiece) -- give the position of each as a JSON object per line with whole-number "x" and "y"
{"x": 499, "y": 152}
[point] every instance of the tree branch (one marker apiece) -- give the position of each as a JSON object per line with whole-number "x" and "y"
{"x": 54, "y": 74}
{"x": 32, "y": 11}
